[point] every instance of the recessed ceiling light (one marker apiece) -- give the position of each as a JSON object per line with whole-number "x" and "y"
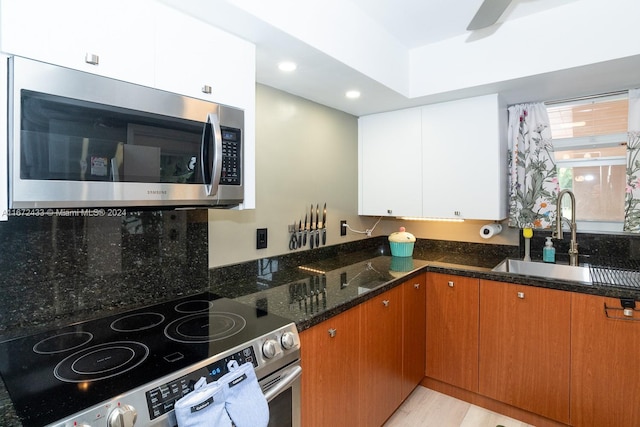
{"x": 287, "y": 66}
{"x": 353, "y": 94}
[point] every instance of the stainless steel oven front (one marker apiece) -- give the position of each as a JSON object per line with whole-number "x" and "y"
{"x": 282, "y": 391}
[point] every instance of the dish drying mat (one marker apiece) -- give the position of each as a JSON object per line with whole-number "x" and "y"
{"x": 624, "y": 274}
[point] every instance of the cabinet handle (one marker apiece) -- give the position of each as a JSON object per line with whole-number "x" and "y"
{"x": 521, "y": 295}
{"x": 332, "y": 332}
{"x": 416, "y": 285}
{"x": 91, "y": 58}
{"x": 385, "y": 302}
{"x": 390, "y": 211}
{"x": 206, "y": 89}
{"x": 450, "y": 283}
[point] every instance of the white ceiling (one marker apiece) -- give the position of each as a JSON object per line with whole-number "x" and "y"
{"x": 324, "y": 73}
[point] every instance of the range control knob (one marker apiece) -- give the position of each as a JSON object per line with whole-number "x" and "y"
{"x": 288, "y": 340}
{"x": 270, "y": 348}
{"x": 123, "y": 416}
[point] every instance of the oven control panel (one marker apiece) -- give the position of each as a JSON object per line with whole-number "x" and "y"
{"x": 162, "y": 399}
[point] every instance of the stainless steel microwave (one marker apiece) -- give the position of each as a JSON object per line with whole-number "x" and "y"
{"x": 82, "y": 140}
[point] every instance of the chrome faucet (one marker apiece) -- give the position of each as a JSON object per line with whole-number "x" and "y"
{"x": 557, "y": 234}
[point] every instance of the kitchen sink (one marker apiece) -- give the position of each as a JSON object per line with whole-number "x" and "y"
{"x": 579, "y": 273}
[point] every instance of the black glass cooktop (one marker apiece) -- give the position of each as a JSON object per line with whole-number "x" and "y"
{"x": 52, "y": 375}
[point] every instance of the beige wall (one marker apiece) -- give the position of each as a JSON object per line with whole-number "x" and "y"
{"x": 308, "y": 153}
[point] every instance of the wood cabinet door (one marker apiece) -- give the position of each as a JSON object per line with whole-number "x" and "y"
{"x": 525, "y": 347}
{"x": 413, "y": 333}
{"x": 380, "y": 357}
{"x": 605, "y": 379}
{"x": 330, "y": 359}
{"x": 452, "y": 330}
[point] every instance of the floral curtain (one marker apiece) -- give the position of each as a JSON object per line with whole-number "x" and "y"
{"x": 533, "y": 177}
{"x": 632, "y": 197}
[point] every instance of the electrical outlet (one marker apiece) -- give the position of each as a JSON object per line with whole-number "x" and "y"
{"x": 343, "y": 227}
{"x": 261, "y": 238}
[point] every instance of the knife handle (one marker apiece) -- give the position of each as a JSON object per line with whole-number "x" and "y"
{"x": 318, "y": 238}
{"x": 311, "y": 239}
{"x": 304, "y": 238}
{"x": 324, "y": 236}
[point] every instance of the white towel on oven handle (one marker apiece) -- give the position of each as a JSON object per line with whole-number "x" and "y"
{"x": 244, "y": 399}
{"x": 203, "y": 407}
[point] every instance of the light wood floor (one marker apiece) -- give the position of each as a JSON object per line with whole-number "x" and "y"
{"x": 428, "y": 408}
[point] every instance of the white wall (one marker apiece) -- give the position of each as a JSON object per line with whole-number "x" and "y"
{"x": 305, "y": 153}
{"x": 308, "y": 153}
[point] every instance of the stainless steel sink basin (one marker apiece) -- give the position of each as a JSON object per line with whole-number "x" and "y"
{"x": 578, "y": 273}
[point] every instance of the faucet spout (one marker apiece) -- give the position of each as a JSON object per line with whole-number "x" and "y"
{"x": 573, "y": 248}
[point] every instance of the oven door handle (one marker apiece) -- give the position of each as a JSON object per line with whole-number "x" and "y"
{"x": 211, "y": 173}
{"x": 288, "y": 377}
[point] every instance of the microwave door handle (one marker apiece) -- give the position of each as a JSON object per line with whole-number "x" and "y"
{"x": 211, "y": 173}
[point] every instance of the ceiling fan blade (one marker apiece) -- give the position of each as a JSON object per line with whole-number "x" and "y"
{"x": 488, "y": 14}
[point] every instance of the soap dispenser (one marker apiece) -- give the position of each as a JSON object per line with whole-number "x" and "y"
{"x": 548, "y": 252}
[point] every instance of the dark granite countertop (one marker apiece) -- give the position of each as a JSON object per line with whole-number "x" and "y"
{"x": 322, "y": 289}
{"x": 312, "y": 286}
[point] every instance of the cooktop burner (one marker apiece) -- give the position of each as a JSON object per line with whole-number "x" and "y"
{"x": 205, "y": 327}
{"x": 52, "y": 375}
{"x": 137, "y": 322}
{"x": 101, "y": 361}
{"x": 62, "y": 342}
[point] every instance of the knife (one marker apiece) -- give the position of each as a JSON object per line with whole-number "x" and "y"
{"x": 304, "y": 235}
{"x": 324, "y": 225}
{"x": 311, "y": 228}
{"x": 317, "y": 228}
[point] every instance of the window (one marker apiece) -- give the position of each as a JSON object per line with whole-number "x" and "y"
{"x": 589, "y": 138}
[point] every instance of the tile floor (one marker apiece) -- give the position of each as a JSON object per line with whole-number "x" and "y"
{"x": 428, "y": 408}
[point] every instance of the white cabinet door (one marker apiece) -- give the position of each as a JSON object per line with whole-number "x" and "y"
{"x": 67, "y": 32}
{"x": 389, "y": 156}
{"x": 464, "y": 159}
{"x": 192, "y": 55}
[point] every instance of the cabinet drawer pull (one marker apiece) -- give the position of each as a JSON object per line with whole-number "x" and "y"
{"x": 206, "y": 89}
{"x": 390, "y": 211}
{"x": 521, "y": 295}
{"x": 91, "y": 58}
{"x": 416, "y": 285}
{"x": 332, "y": 332}
{"x": 627, "y": 313}
{"x": 450, "y": 283}
{"x": 385, "y": 302}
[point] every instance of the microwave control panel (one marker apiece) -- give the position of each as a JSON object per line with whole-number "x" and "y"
{"x": 231, "y": 157}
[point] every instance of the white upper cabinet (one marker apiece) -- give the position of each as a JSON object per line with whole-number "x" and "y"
{"x": 111, "y": 38}
{"x": 201, "y": 61}
{"x": 446, "y": 160}
{"x": 389, "y": 156}
{"x": 464, "y": 159}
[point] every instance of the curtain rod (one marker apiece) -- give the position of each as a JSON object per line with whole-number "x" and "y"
{"x": 584, "y": 98}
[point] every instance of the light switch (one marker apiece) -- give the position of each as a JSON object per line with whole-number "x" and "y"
{"x": 261, "y": 238}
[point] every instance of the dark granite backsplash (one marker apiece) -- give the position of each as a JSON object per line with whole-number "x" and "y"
{"x": 253, "y": 276}
{"x": 592, "y": 247}
{"x": 58, "y": 270}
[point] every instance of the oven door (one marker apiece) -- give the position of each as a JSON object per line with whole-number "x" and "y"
{"x": 282, "y": 391}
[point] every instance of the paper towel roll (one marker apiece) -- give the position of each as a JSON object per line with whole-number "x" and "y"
{"x": 490, "y": 230}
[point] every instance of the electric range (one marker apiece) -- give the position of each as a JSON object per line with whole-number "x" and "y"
{"x": 131, "y": 368}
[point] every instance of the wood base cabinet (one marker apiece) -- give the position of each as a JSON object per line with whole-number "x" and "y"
{"x": 605, "y": 353}
{"x": 330, "y": 365}
{"x": 525, "y": 346}
{"x": 452, "y": 330}
{"x": 380, "y": 357}
{"x": 413, "y": 330}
